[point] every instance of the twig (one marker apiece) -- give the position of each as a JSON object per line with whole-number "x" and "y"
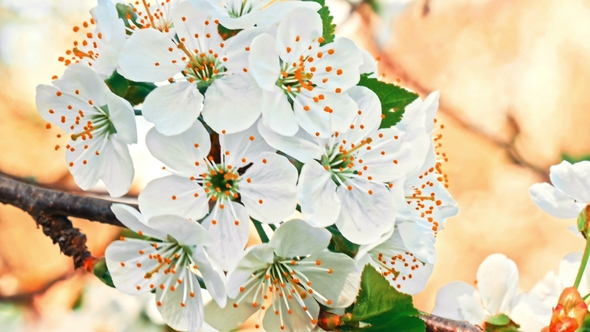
{"x": 51, "y": 209}
{"x": 440, "y": 324}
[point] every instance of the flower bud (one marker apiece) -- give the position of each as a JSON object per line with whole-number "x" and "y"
{"x": 569, "y": 313}
{"x": 584, "y": 221}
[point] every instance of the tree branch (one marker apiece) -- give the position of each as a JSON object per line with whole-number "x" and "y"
{"x": 51, "y": 209}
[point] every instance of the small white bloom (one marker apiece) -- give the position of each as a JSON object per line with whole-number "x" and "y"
{"x": 405, "y": 258}
{"x": 243, "y": 14}
{"x": 103, "y": 40}
{"x": 346, "y": 176}
{"x": 102, "y": 125}
{"x": 293, "y": 67}
{"x": 570, "y": 192}
{"x": 497, "y": 284}
{"x": 166, "y": 263}
{"x": 249, "y": 171}
{"x": 205, "y": 61}
{"x": 546, "y": 292}
{"x": 287, "y": 277}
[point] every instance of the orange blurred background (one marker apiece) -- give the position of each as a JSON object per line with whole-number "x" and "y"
{"x": 513, "y": 78}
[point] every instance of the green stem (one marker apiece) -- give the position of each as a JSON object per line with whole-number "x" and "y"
{"x": 260, "y": 230}
{"x": 273, "y": 227}
{"x": 586, "y": 297}
{"x": 582, "y": 264}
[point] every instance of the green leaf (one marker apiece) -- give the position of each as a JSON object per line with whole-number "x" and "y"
{"x": 226, "y": 33}
{"x": 102, "y": 272}
{"x": 585, "y": 325}
{"x": 340, "y": 244}
{"x": 394, "y": 99}
{"x": 572, "y": 159}
{"x": 382, "y": 307}
{"x": 328, "y": 26}
{"x": 138, "y": 91}
{"x": 500, "y": 323}
{"x": 499, "y": 319}
{"x": 118, "y": 84}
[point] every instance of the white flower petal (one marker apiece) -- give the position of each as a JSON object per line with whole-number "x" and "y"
{"x": 123, "y": 257}
{"x": 173, "y": 195}
{"x": 232, "y": 103}
{"x": 86, "y": 81}
{"x": 189, "y": 317}
{"x": 278, "y": 9}
{"x": 123, "y": 118}
{"x": 196, "y": 28}
{"x": 554, "y": 202}
{"x": 264, "y": 61}
{"x": 299, "y": 146}
{"x": 277, "y": 114}
{"x": 335, "y": 289}
{"x": 316, "y": 192}
{"x": 229, "y": 229}
{"x": 447, "y": 300}
{"x": 271, "y": 194}
{"x": 230, "y": 317}
{"x": 235, "y": 46}
{"x": 365, "y": 216}
{"x": 146, "y": 48}
{"x": 471, "y": 309}
{"x": 497, "y": 282}
{"x": 213, "y": 275}
{"x": 183, "y": 153}
{"x": 133, "y": 220}
{"x": 573, "y": 180}
{"x": 296, "y": 238}
{"x": 345, "y": 59}
{"x": 334, "y": 113}
{"x": 369, "y": 118}
{"x": 86, "y": 166}
{"x": 118, "y": 167}
{"x": 304, "y": 23}
{"x": 186, "y": 232}
{"x": 419, "y": 241}
{"x": 241, "y": 148}
{"x": 255, "y": 258}
{"x": 298, "y": 320}
{"x": 173, "y": 108}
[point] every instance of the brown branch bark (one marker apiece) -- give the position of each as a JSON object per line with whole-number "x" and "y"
{"x": 51, "y": 209}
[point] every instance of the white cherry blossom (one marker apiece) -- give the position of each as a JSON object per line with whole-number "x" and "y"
{"x": 570, "y": 191}
{"x": 497, "y": 285}
{"x": 102, "y": 43}
{"x": 347, "y": 176}
{"x": 405, "y": 257}
{"x": 293, "y": 68}
{"x": 205, "y": 62}
{"x": 249, "y": 172}
{"x": 287, "y": 278}
{"x": 167, "y": 262}
{"x": 101, "y": 126}
{"x": 243, "y": 14}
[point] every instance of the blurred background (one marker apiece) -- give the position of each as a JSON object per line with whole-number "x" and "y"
{"x": 513, "y": 78}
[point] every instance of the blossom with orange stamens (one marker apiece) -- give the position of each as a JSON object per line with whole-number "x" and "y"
{"x": 167, "y": 263}
{"x": 102, "y": 127}
{"x": 286, "y": 280}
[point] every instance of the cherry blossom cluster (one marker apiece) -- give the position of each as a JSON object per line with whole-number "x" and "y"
{"x": 260, "y": 120}
{"x": 497, "y": 277}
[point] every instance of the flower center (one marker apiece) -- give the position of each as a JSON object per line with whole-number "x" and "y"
{"x": 100, "y": 124}
{"x": 294, "y": 77}
{"x": 399, "y": 267}
{"x": 340, "y": 162}
{"x": 202, "y": 67}
{"x": 221, "y": 182}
